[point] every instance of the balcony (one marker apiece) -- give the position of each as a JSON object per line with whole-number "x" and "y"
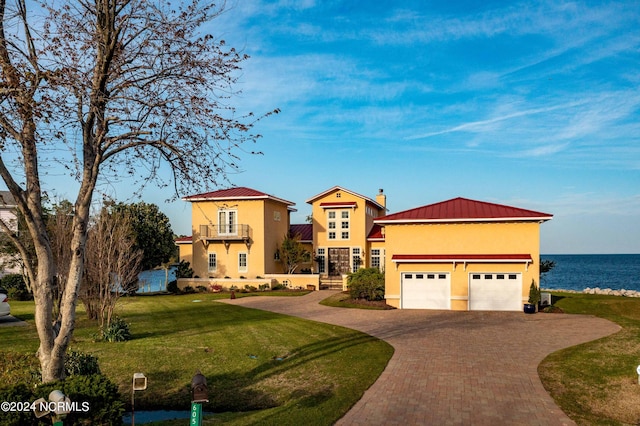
{"x": 225, "y": 232}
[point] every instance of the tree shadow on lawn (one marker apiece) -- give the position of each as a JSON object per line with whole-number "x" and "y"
{"x": 237, "y": 391}
{"x": 194, "y": 318}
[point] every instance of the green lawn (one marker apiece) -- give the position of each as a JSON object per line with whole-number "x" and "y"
{"x": 260, "y": 366}
{"x": 596, "y": 383}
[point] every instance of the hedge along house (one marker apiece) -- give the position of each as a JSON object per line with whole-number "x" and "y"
{"x": 236, "y": 233}
{"x": 461, "y": 254}
{"x": 342, "y": 220}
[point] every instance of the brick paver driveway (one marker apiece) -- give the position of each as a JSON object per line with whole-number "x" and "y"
{"x": 472, "y": 368}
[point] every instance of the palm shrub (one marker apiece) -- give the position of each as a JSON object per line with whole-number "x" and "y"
{"x": 116, "y": 331}
{"x": 366, "y": 283}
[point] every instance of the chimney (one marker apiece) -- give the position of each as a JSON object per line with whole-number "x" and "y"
{"x": 381, "y": 198}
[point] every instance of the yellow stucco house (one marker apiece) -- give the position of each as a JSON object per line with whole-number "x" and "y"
{"x": 236, "y": 233}
{"x": 342, "y": 220}
{"x": 458, "y": 254}
{"x": 461, "y": 254}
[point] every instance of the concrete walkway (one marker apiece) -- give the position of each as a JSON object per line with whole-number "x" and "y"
{"x": 452, "y": 368}
{"x": 11, "y": 321}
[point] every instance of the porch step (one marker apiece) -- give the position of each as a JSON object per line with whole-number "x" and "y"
{"x": 330, "y": 284}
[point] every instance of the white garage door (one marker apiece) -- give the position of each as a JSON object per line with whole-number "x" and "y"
{"x": 495, "y": 292}
{"x": 423, "y": 290}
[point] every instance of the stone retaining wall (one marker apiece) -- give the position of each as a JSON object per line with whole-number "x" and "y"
{"x": 605, "y": 291}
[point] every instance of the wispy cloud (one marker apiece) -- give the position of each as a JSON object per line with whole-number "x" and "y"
{"x": 482, "y": 126}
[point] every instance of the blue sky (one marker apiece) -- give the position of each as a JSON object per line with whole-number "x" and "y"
{"x": 531, "y": 104}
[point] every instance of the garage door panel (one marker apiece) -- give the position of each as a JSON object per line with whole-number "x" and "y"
{"x": 495, "y": 292}
{"x": 426, "y": 291}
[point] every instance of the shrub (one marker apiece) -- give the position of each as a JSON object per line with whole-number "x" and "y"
{"x": 183, "y": 270}
{"x": 96, "y": 392}
{"x": 367, "y": 283}
{"x": 201, "y": 289}
{"x": 250, "y": 288}
{"x": 188, "y": 290}
{"x": 534, "y": 293}
{"x": 17, "y": 393}
{"x": 117, "y": 331}
{"x": 172, "y": 287}
{"x": 263, "y": 287}
{"x": 278, "y": 287}
{"x": 80, "y": 364}
{"x": 16, "y": 287}
{"x": 96, "y": 398}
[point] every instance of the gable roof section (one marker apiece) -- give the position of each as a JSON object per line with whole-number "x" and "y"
{"x": 235, "y": 193}
{"x": 376, "y": 233}
{"x": 305, "y": 230}
{"x": 339, "y": 188}
{"x": 463, "y": 210}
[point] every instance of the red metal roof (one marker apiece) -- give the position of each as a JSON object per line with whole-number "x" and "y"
{"x": 184, "y": 240}
{"x": 376, "y": 233}
{"x": 462, "y": 257}
{"x": 236, "y": 193}
{"x": 305, "y": 230}
{"x": 463, "y": 209}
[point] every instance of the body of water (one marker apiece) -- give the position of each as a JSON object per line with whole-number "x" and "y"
{"x": 155, "y": 280}
{"x": 572, "y": 272}
{"x": 580, "y": 271}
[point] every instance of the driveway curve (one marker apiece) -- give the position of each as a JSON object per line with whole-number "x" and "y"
{"x": 452, "y": 368}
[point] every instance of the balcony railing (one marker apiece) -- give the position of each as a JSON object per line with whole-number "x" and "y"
{"x": 224, "y": 232}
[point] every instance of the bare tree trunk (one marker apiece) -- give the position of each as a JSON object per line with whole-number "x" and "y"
{"x": 100, "y": 61}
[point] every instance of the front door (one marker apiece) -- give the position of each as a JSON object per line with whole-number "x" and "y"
{"x": 338, "y": 261}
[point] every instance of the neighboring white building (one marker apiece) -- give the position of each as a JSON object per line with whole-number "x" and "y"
{"x": 8, "y": 216}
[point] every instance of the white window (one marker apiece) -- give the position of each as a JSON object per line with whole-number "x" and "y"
{"x": 377, "y": 259}
{"x": 332, "y": 224}
{"x": 227, "y": 222}
{"x": 355, "y": 259}
{"x": 320, "y": 258}
{"x": 213, "y": 262}
{"x": 242, "y": 262}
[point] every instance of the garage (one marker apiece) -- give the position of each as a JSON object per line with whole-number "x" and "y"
{"x": 426, "y": 290}
{"x": 495, "y": 291}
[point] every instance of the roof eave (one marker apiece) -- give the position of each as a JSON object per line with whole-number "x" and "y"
{"x": 486, "y": 219}
{"x": 256, "y": 197}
